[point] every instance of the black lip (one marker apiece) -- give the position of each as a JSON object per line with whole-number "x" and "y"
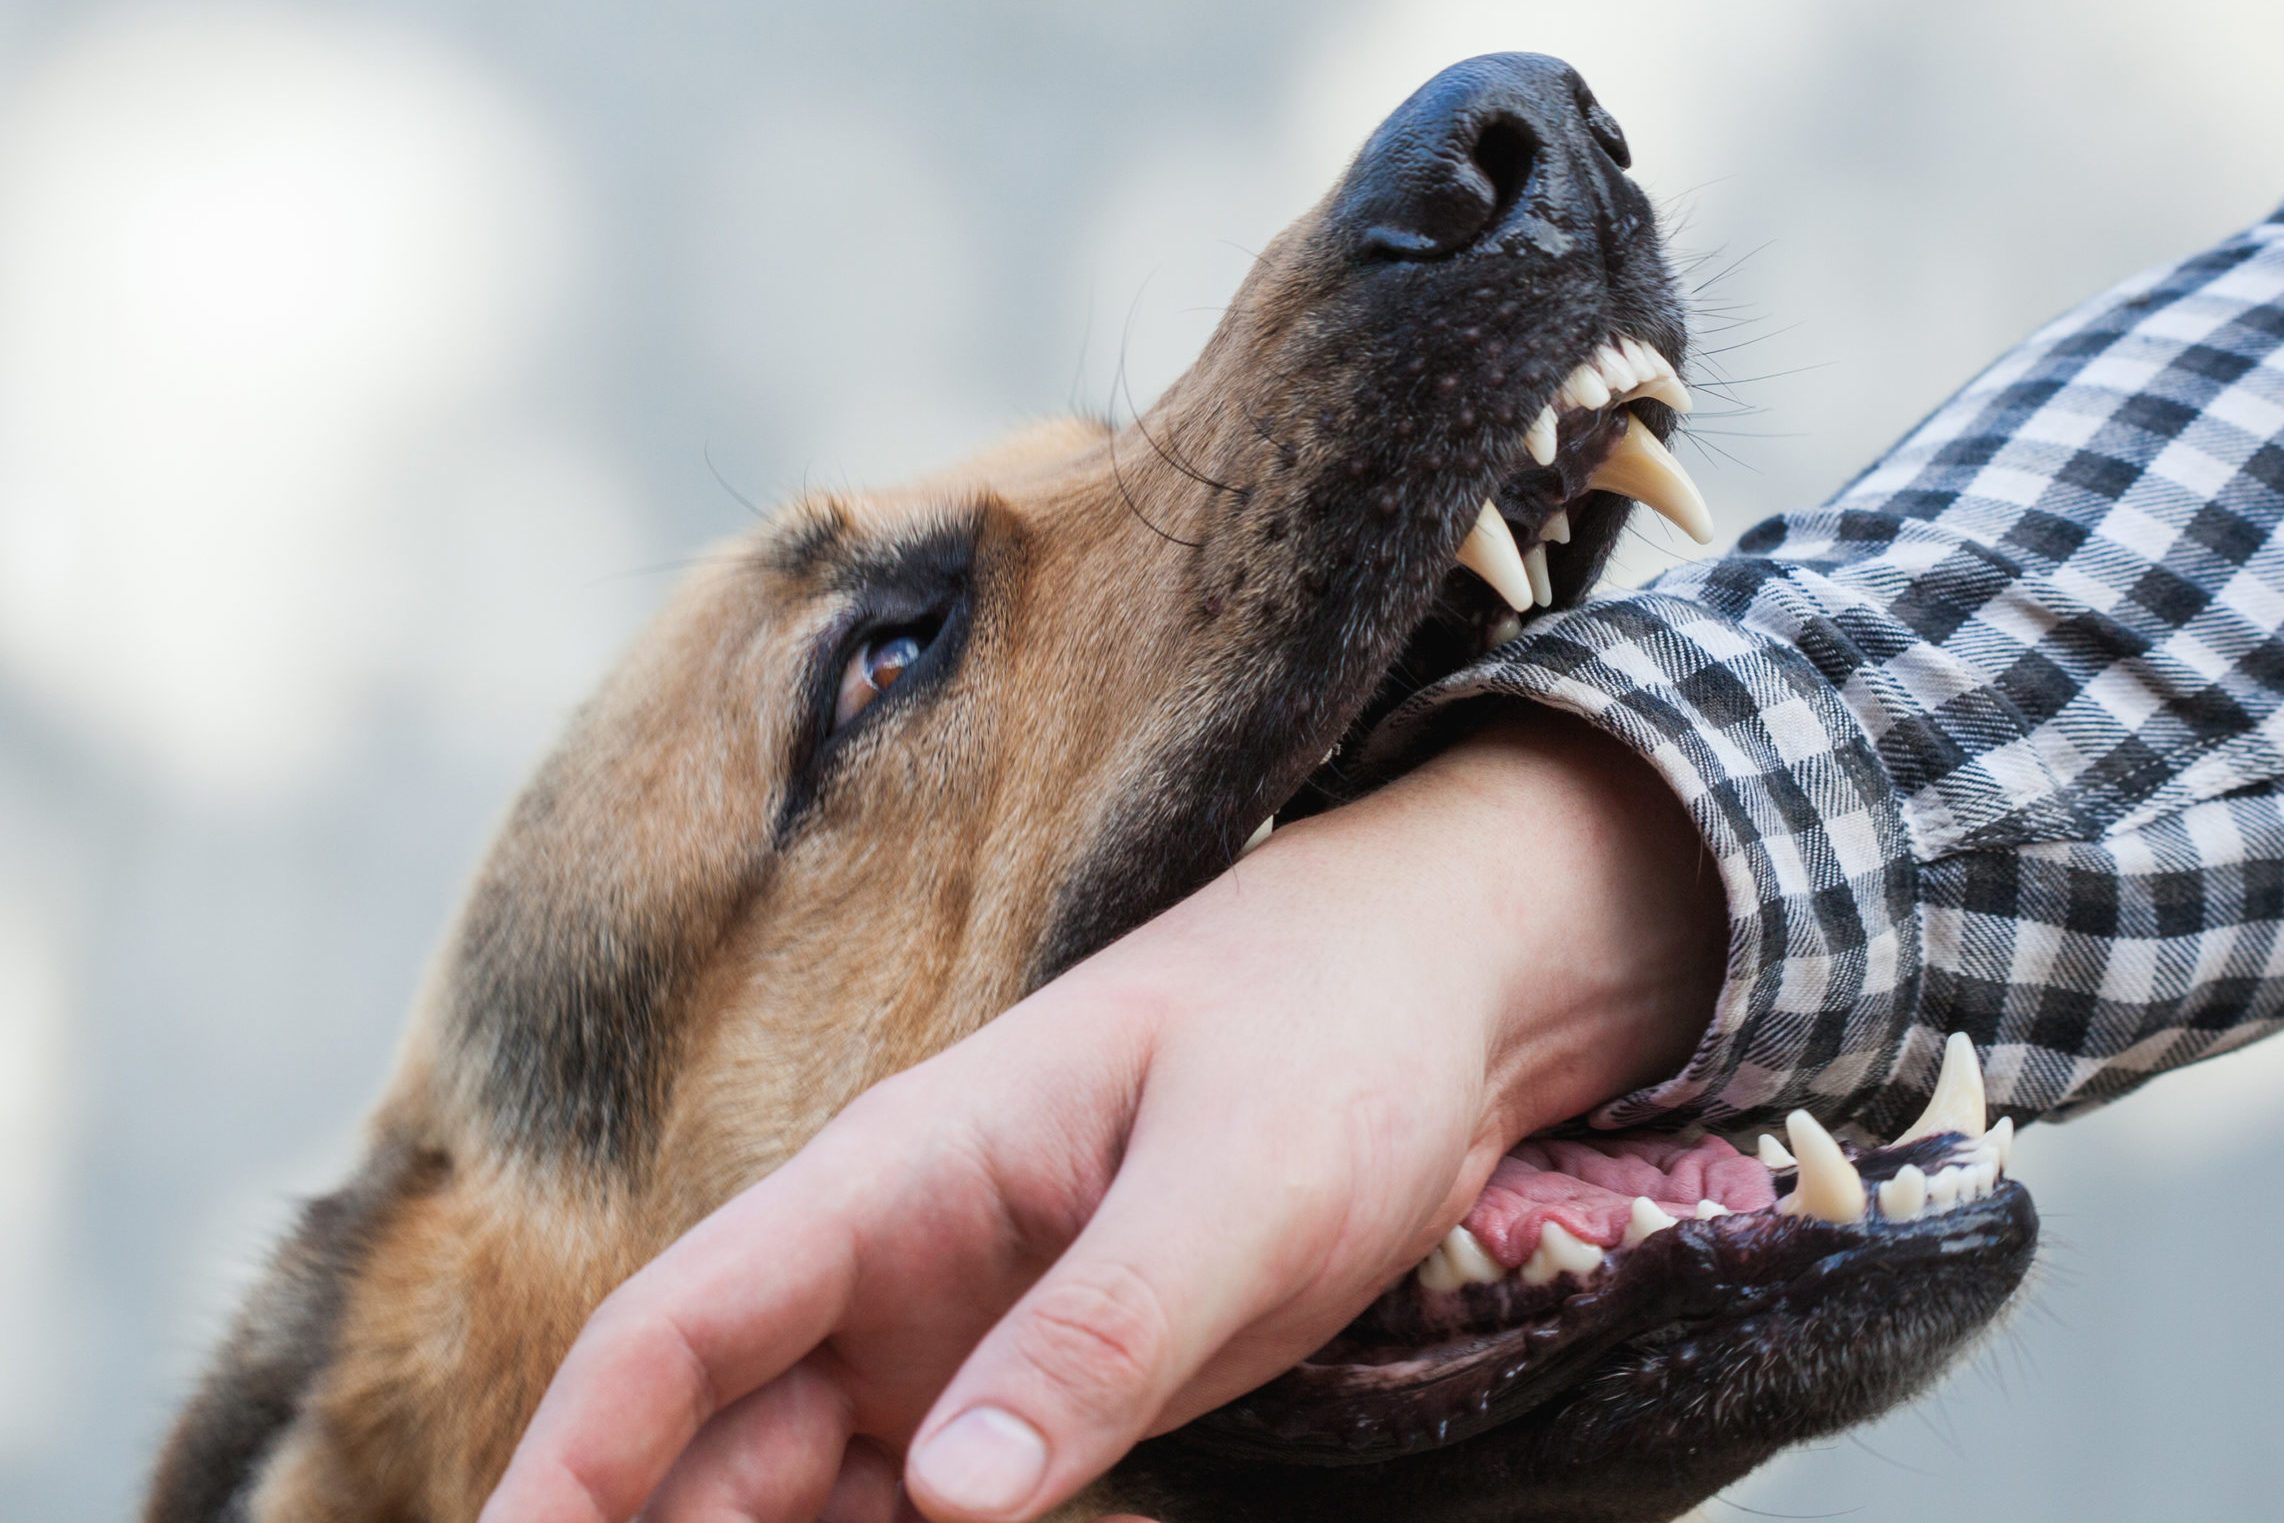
{"x": 1721, "y": 1366}
{"x": 1698, "y": 1280}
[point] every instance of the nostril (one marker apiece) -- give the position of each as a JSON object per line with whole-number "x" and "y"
{"x": 1603, "y": 127}
{"x": 1504, "y": 153}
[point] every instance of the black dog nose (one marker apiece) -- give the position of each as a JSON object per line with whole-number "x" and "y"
{"x": 1451, "y": 162}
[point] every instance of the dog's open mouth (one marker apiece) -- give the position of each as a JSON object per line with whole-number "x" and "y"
{"x": 1588, "y": 441}
{"x": 1621, "y": 1324}
{"x": 1541, "y": 531}
{"x": 1646, "y": 1268}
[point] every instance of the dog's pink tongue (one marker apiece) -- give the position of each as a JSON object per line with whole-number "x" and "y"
{"x": 1590, "y": 1187}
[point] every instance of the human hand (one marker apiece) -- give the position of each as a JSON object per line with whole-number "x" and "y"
{"x": 1161, "y": 1179}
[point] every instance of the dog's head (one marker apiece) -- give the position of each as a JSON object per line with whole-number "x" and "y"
{"x": 898, "y": 757}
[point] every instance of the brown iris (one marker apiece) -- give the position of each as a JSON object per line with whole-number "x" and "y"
{"x": 872, "y": 671}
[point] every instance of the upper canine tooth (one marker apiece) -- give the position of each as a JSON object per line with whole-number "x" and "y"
{"x": 1489, "y": 551}
{"x": 1641, "y": 468}
{"x": 1773, "y": 1154}
{"x": 1468, "y": 1260}
{"x": 1830, "y": 1189}
{"x": 1663, "y": 388}
{"x": 1957, "y": 1104}
{"x": 1542, "y": 580}
{"x": 1556, "y": 529}
{"x": 1260, "y": 834}
{"x": 1540, "y": 438}
{"x": 1648, "y": 1218}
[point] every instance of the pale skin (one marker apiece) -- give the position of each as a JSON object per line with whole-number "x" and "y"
{"x": 1164, "y": 1177}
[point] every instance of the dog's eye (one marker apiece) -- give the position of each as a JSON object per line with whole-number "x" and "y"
{"x": 876, "y": 667}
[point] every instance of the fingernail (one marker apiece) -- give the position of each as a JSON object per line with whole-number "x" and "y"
{"x": 983, "y": 1460}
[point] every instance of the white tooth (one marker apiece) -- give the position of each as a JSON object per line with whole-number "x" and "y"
{"x": 1647, "y": 362}
{"x": 1708, "y": 1209}
{"x": 1586, "y": 389}
{"x": 1489, "y": 551}
{"x": 1957, "y": 1104}
{"x": 1506, "y": 627}
{"x": 1542, "y": 580}
{"x": 1556, "y": 529}
{"x": 1830, "y": 1188}
{"x": 1616, "y": 370}
{"x": 1468, "y": 1259}
{"x": 1540, "y": 437}
{"x": 1639, "y": 467}
{"x": 1943, "y": 1188}
{"x": 2000, "y": 1140}
{"x": 1663, "y": 388}
{"x": 1436, "y": 1272}
{"x": 1773, "y": 1154}
{"x": 1905, "y": 1196}
{"x": 1260, "y": 834}
{"x": 1648, "y": 1218}
{"x": 1559, "y": 1253}
{"x": 1983, "y": 1177}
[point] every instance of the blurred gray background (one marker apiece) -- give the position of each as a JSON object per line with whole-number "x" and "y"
{"x": 359, "y": 370}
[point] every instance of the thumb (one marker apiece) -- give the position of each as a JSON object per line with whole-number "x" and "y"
{"x": 1194, "y": 1242}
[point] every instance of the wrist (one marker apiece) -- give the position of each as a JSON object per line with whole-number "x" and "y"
{"x": 1593, "y": 895}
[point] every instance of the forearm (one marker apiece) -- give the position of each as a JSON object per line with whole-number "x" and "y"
{"x": 1991, "y": 742}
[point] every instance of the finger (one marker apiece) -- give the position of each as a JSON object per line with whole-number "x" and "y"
{"x": 700, "y": 1327}
{"x": 867, "y": 1489}
{"x": 1158, "y": 1282}
{"x": 769, "y": 1457}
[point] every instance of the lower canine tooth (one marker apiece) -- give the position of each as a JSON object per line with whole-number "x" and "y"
{"x": 1507, "y": 627}
{"x": 1957, "y": 1104}
{"x": 1830, "y": 1189}
{"x": 1641, "y": 468}
{"x": 1648, "y": 1218}
{"x": 1542, "y": 580}
{"x": 1905, "y": 1196}
{"x": 1489, "y": 551}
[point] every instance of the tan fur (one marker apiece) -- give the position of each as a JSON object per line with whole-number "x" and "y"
{"x": 870, "y": 944}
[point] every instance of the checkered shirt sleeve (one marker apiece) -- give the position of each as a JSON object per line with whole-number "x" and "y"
{"x": 1993, "y": 741}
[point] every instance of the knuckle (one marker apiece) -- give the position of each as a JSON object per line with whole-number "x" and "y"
{"x": 1099, "y": 1337}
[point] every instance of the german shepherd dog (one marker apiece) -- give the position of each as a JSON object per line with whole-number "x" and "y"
{"x": 1031, "y": 702}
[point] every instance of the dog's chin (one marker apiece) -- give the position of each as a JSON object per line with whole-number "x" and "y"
{"x": 1630, "y": 1363}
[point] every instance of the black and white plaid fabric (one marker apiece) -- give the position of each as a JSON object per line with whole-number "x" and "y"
{"x": 1993, "y": 741}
